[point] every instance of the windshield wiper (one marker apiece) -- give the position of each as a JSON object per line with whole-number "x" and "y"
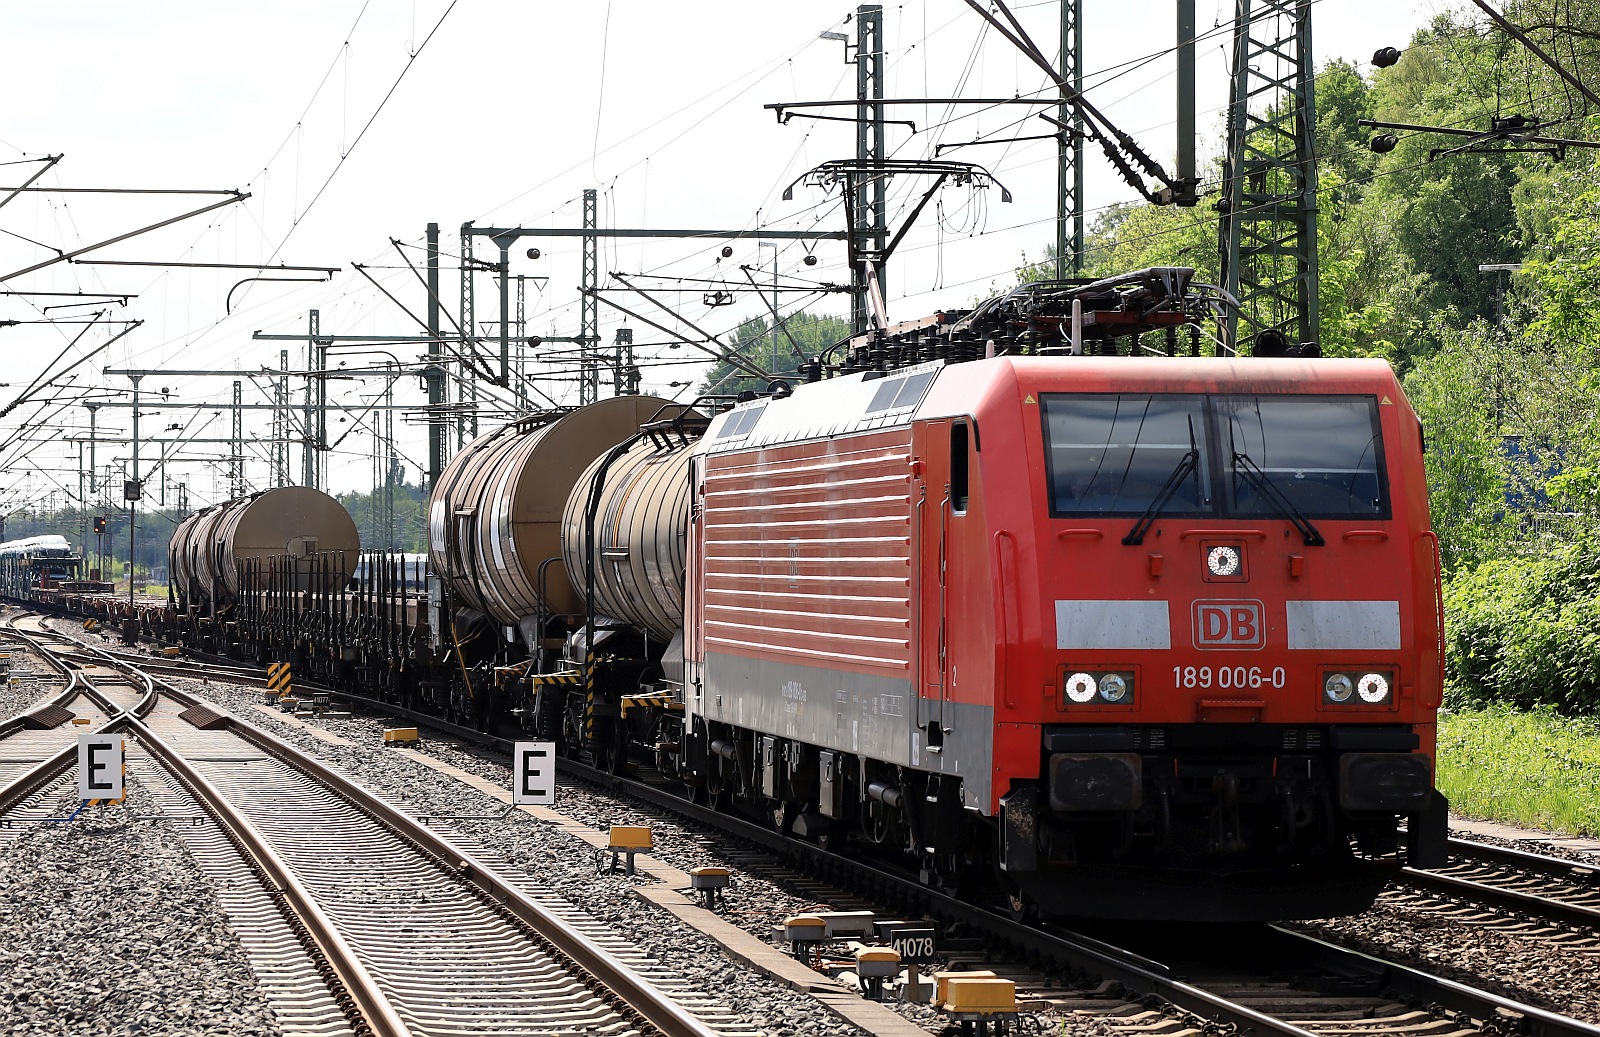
{"x": 1265, "y": 486}
{"x": 1180, "y": 473}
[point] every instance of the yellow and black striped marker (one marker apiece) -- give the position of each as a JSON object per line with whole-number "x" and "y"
{"x": 280, "y": 679}
{"x": 119, "y": 799}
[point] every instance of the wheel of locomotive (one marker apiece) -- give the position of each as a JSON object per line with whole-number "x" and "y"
{"x": 829, "y": 838}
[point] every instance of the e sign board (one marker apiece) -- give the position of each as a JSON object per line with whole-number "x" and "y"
{"x": 100, "y": 767}
{"x": 533, "y": 774}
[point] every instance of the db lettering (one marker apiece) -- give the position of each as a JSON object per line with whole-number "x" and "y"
{"x": 1228, "y": 624}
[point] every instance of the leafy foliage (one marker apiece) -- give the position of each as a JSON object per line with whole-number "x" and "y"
{"x": 1503, "y": 366}
{"x": 1525, "y": 630}
{"x": 800, "y": 337}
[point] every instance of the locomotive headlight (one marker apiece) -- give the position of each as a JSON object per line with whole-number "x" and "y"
{"x": 1081, "y": 687}
{"x": 1338, "y": 687}
{"x": 1114, "y": 687}
{"x": 1222, "y": 560}
{"x": 1373, "y": 688}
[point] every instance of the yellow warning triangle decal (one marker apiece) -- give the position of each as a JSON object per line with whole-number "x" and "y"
{"x": 1387, "y": 402}
{"x": 1028, "y": 398}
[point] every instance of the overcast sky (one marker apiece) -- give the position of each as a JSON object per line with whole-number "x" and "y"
{"x": 354, "y": 122}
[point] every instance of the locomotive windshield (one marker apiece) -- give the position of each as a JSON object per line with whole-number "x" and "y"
{"x": 1112, "y": 454}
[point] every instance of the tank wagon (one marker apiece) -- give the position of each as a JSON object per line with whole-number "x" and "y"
{"x": 1034, "y": 596}
{"x": 207, "y": 548}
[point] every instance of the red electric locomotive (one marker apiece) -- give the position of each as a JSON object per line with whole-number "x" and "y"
{"x": 1145, "y": 637}
{"x": 1109, "y": 633}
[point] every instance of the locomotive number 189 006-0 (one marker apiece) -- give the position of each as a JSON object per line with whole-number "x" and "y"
{"x": 1229, "y": 677}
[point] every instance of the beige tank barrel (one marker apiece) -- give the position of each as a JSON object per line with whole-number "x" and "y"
{"x": 641, "y": 522}
{"x": 291, "y": 520}
{"x": 494, "y": 521}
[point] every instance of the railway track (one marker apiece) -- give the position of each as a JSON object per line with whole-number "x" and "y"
{"x": 37, "y": 745}
{"x": 1303, "y": 985}
{"x": 1522, "y": 889}
{"x": 399, "y": 930}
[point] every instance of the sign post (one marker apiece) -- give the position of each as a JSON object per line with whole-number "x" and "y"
{"x": 533, "y": 774}
{"x": 102, "y": 769}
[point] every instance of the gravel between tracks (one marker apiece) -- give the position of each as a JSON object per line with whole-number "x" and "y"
{"x": 110, "y": 929}
{"x": 1535, "y": 972}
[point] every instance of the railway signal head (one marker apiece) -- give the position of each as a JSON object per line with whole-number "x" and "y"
{"x": 99, "y": 524}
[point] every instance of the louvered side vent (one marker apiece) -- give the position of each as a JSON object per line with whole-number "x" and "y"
{"x": 204, "y": 717}
{"x": 46, "y": 717}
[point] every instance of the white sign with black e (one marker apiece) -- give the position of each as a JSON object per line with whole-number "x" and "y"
{"x": 533, "y": 774}
{"x": 100, "y": 766}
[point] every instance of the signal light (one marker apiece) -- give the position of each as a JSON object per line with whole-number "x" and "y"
{"x": 1383, "y": 57}
{"x": 99, "y": 525}
{"x": 1383, "y": 143}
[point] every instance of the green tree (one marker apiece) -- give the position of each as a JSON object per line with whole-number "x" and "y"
{"x": 800, "y": 337}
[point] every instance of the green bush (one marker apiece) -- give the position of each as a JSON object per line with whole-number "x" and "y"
{"x": 1525, "y": 631}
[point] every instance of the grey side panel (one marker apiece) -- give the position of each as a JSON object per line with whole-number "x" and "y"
{"x": 857, "y": 713}
{"x": 1113, "y": 624}
{"x": 1344, "y": 625}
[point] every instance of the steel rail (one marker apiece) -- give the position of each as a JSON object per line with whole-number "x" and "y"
{"x": 1132, "y": 971}
{"x": 1543, "y": 864}
{"x": 67, "y": 694}
{"x": 374, "y": 1006}
{"x": 1416, "y": 985}
{"x": 635, "y": 995}
{"x": 375, "y": 1010}
{"x": 1504, "y": 899}
{"x": 639, "y": 998}
{"x": 47, "y": 770}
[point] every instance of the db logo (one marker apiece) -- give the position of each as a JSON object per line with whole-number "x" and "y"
{"x": 1229, "y": 624}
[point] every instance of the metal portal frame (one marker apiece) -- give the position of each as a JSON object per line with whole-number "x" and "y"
{"x": 1269, "y": 214}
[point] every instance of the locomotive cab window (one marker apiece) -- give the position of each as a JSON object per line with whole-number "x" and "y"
{"x": 1121, "y": 454}
{"x": 1323, "y": 454}
{"x": 1113, "y": 454}
{"x": 959, "y": 489}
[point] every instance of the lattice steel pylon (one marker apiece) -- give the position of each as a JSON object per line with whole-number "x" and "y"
{"x": 1269, "y": 207}
{"x": 869, "y": 223}
{"x": 588, "y": 349}
{"x": 1069, "y": 150}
